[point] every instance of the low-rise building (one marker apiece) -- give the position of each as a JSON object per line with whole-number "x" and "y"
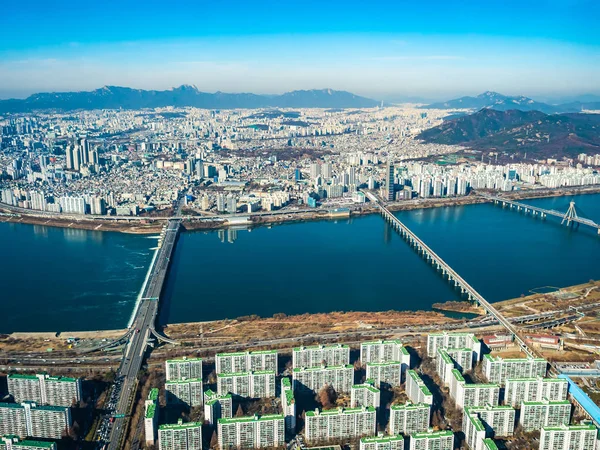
{"x": 565, "y": 437}
{"x": 382, "y": 443}
{"x": 409, "y": 418}
{"x": 251, "y": 432}
{"x": 535, "y": 415}
{"x": 259, "y": 384}
{"x": 365, "y": 394}
{"x": 180, "y": 436}
{"x": 341, "y": 378}
{"x": 319, "y": 355}
{"x": 498, "y": 369}
{"x": 339, "y": 423}
{"x": 385, "y": 373}
{"x": 416, "y": 390}
{"x": 188, "y": 392}
{"x": 432, "y": 440}
{"x": 518, "y": 390}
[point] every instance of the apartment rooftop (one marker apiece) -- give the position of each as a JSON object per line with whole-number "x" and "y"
{"x": 180, "y": 426}
{"x": 245, "y": 374}
{"x": 254, "y": 418}
{"x": 184, "y": 359}
{"x": 320, "y": 347}
{"x": 381, "y": 439}
{"x": 367, "y": 386}
{"x": 184, "y": 381}
{"x": 338, "y": 411}
{"x": 314, "y": 369}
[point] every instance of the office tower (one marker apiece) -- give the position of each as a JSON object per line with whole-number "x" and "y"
{"x": 382, "y": 443}
{"x": 151, "y": 416}
{"x": 365, "y": 394}
{"x": 288, "y": 404}
{"x": 44, "y": 389}
{"x": 385, "y": 373}
{"x": 352, "y": 176}
{"x": 384, "y": 351}
{"x": 69, "y": 150}
{"x": 184, "y": 368}
{"x": 390, "y": 181}
{"x": 409, "y": 418}
{"x": 498, "y": 370}
{"x": 465, "y": 395}
{"x": 520, "y": 390}
{"x": 199, "y": 168}
{"x": 416, "y": 390}
{"x": 217, "y": 406}
{"x": 188, "y": 392}
{"x": 447, "y": 340}
{"x": 326, "y": 171}
{"x": 251, "y": 432}
{"x": 257, "y": 384}
{"x": 180, "y": 436}
{"x": 432, "y": 440}
{"x": 12, "y": 442}
{"x": 565, "y": 437}
{"x": 339, "y": 423}
{"x": 315, "y": 170}
{"x": 535, "y": 415}
{"x": 497, "y": 420}
{"x": 318, "y": 355}
{"x": 30, "y": 420}
{"x": 246, "y": 361}
{"x": 340, "y": 378}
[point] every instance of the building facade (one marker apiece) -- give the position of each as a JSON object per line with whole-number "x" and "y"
{"x": 44, "y": 389}
{"x": 574, "y": 437}
{"x": 416, "y": 390}
{"x": 265, "y": 360}
{"x": 518, "y": 390}
{"x": 188, "y": 392}
{"x": 184, "y": 368}
{"x": 535, "y": 415}
{"x": 258, "y": 384}
{"x": 365, "y": 394}
{"x": 341, "y": 378}
{"x": 180, "y": 436}
{"x": 30, "y": 420}
{"x": 339, "y": 423}
{"x": 409, "y": 418}
{"x": 432, "y": 440}
{"x": 217, "y": 406}
{"x": 151, "y": 417}
{"x": 385, "y": 373}
{"x": 319, "y": 355}
{"x": 447, "y": 340}
{"x": 382, "y": 443}
{"x": 498, "y": 370}
{"x": 288, "y": 405}
{"x": 251, "y": 432}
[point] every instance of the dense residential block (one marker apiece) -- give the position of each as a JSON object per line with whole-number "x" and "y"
{"x": 385, "y": 373}
{"x": 497, "y": 420}
{"x": 188, "y": 392}
{"x": 44, "y": 389}
{"x": 476, "y": 394}
{"x": 14, "y": 443}
{"x": 432, "y": 440}
{"x": 341, "y": 378}
{"x": 520, "y": 390}
{"x": 498, "y": 370}
{"x": 184, "y": 368}
{"x": 382, "y": 443}
{"x": 258, "y": 384}
{"x": 251, "y": 432}
{"x": 217, "y": 406}
{"x": 246, "y": 361}
{"x": 180, "y": 436}
{"x": 339, "y": 423}
{"x": 535, "y": 415}
{"x": 151, "y": 416}
{"x": 30, "y": 420}
{"x": 319, "y": 355}
{"x": 384, "y": 351}
{"x": 565, "y": 437}
{"x": 409, "y": 418}
{"x": 447, "y": 340}
{"x": 288, "y": 405}
{"x": 416, "y": 390}
{"x": 365, "y": 394}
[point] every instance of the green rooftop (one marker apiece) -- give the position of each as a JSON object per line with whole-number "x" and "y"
{"x": 367, "y": 386}
{"x": 410, "y": 406}
{"x": 180, "y": 426}
{"x": 432, "y": 434}
{"x": 445, "y": 356}
{"x": 252, "y": 418}
{"x": 320, "y": 347}
{"x": 457, "y": 375}
{"x": 150, "y": 411}
{"x": 187, "y": 380}
{"x": 382, "y": 364}
{"x": 37, "y": 444}
{"x": 489, "y": 444}
{"x": 335, "y": 412}
{"x": 184, "y": 359}
{"x": 312, "y": 369}
{"x": 382, "y": 439}
{"x": 153, "y": 395}
{"x": 389, "y": 341}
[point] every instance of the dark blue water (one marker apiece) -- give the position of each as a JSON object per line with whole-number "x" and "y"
{"x": 54, "y": 279}
{"x": 61, "y": 279}
{"x": 361, "y": 264}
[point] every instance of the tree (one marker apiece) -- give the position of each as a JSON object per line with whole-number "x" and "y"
{"x": 214, "y": 441}
{"x": 239, "y": 412}
{"x": 327, "y": 396}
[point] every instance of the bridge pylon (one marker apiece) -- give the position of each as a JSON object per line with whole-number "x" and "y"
{"x": 570, "y": 214}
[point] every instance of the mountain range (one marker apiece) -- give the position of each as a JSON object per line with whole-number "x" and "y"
{"x": 499, "y": 102}
{"x": 114, "y": 97}
{"x": 540, "y": 135}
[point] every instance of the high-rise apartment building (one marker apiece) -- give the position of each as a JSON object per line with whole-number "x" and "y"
{"x": 535, "y": 415}
{"x": 498, "y": 370}
{"x": 180, "y": 436}
{"x": 432, "y": 440}
{"x": 319, "y": 355}
{"x": 44, "y": 389}
{"x": 188, "y": 392}
{"x": 288, "y": 405}
{"x": 365, "y": 394}
{"x": 416, "y": 390}
{"x": 339, "y": 423}
{"x": 382, "y": 443}
{"x": 385, "y": 373}
{"x": 477, "y": 394}
{"x": 447, "y": 340}
{"x": 390, "y": 180}
{"x": 497, "y": 420}
{"x": 341, "y": 378}
{"x": 565, "y": 437}
{"x": 251, "y": 432}
{"x": 246, "y": 361}
{"x": 217, "y": 406}
{"x": 257, "y": 384}
{"x": 384, "y": 351}
{"x": 184, "y": 368}
{"x": 12, "y": 442}
{"x": 30, "y": 420}
{"x": 409, "y": 418}
{"x": 520, "y": 390}
{"x": 151, "y": 416}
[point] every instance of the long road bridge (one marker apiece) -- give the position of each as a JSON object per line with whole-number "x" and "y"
{"x": 143, "y": 326}
{"x": 448, "y": 271}
{"x": 570, "y": 217}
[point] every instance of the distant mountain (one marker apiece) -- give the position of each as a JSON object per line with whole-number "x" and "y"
{"x": 114, "y": 97}
{"x": 493, "y": 100}
{"x": 538, "y": 134}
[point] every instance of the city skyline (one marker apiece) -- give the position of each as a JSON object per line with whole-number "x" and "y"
{"x": 544, "y": 50}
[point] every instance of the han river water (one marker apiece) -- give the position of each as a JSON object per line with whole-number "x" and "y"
{"x": 54, "y": 279}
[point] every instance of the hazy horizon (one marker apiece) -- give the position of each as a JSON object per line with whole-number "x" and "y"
{"x": 543, "y": 49}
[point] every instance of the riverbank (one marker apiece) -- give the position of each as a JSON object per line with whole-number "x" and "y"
{"x": 153, "y": 225}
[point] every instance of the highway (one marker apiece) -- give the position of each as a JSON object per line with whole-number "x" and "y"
{"x": 143, "y": 326}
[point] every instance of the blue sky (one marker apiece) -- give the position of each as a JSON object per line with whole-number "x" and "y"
{"x": 434, "y": 49}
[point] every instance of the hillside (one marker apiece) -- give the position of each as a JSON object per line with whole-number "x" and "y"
{"x": 114, "y": 97}
{"x": 538, "y": 134}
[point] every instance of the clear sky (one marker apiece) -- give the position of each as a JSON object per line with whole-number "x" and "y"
{"x": 432, "y": 49}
